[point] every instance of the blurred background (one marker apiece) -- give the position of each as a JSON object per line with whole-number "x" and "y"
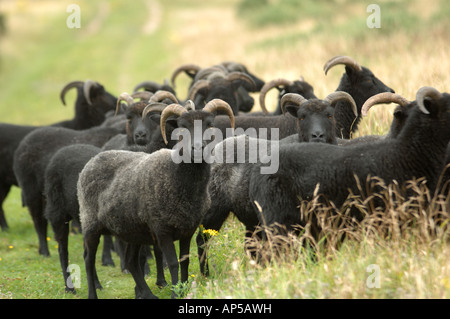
{"x": 121, "y": 43}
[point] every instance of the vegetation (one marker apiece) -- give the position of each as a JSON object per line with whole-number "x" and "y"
{"x": 116, "y": 47}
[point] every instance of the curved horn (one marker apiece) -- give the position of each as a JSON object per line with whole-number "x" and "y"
{"x": 147, "y": 86}
{"x": 293, "y": 98}
{"x": 143, "y": 95}
{"x": 381, "y": 98}
{"x": 189, "y": 105}
{"x": 123, "y": 97}
{"x": 153, "y": 107}
{"x": 87, "y": 90}
{"x": 341, "y": 95}
{"x": 424, "y": 92}
{"x": 67, "y": 87}
{"x": 217, "y": 105}
{"x": 172, "y": 109}
{"x": 204, "y": 73}
{"x": 341, "y": 59}
{"x": 161, "y": 95}
{"x": 267, "y": 87}
{"x": 197, "y": 86}
{"x": 183, "y": 68}
{"x": 233, "y": 76}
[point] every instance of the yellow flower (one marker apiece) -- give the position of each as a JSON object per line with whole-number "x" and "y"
{"x": 211, "y": 232}
{"x": 10, "y": 246}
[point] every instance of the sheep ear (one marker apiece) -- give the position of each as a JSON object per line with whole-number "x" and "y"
{"x": 349, "y": 70}
{"x": 292, "y": 109}
{"x": 155, "y": 117}
{"x": 430, "y": 105}
{"x": 398, "y": 113}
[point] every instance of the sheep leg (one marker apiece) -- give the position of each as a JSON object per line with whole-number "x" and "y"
{"x": 168, "y": 249}
{"x": 91, "y": 241}
{"x": 250, "y": 235}
{"x": 4, "y": 190}
{"x": 40, "y": 224}
{"x": 159, "y": 259}
{"x": 185, "y": 243}
{"x": 62, "y": 237}
{"x": 134, "y": 265}
{"x": 106, "y": 253}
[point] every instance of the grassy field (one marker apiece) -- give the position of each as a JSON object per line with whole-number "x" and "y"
{"x": 120, "y": 45}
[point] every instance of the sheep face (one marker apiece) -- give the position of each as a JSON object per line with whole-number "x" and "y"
{"x": 138, "y": 130}
{"x": 363, "y": 84}
{"x": 98, "y": 99}
{"x": 191, "y": 126}
{"x": 315, "y": 121}
{"x": 231, "y": 92}
{"x": 299, "y": 87}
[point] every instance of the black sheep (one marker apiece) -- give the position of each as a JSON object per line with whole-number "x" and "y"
{"x": 418, "y": 151}
{"x": 32, "y": 157}
{"x": 229, "y": 182}
{"x": 361, "y": 84}
{"x": 92, "y": 103}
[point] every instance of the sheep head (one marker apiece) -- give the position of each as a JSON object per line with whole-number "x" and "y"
{"x": 92, "y": 103}
{"x": 315, "y": 118}
{"x": 188, "y": 117}
{"x": 285, "y": 86}
{"x": 233, "y": 88}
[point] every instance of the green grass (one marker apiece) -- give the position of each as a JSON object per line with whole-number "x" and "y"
{"x": 39, "y": 55}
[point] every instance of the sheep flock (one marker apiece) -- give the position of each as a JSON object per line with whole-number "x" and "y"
{"x": 144, "y": 168}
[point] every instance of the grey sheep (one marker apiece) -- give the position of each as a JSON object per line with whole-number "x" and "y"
{"x": 147, "y": 199}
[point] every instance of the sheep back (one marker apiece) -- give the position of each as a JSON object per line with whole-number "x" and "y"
{"x": 133, "y": 195}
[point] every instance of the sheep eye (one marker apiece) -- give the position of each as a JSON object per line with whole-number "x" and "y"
{"x": 330, "y": 116}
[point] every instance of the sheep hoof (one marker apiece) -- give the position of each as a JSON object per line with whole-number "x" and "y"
{"x": 70, "y": 290}
{"x": 161, "y": 283}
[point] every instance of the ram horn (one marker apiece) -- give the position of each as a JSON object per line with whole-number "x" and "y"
{"x": 184, "y": 68}
{"x": 424, "y": 92}
{"x": 342, "y": 59}
{"x": 143, "y": 95}
{"x": 197, "y": 86}
{"x": 267, "y": 87}
{"x": 123, "y": 97}
{"x": 233, "y": 76}
{"x": 147, "y": 86}
{"x": 293, "y": 98}
{"x": 162, "y": 94}
{"x": 88, "y": 85}
{"x": 189, "y": 105}
{"x": 339, "y": 96}
{"x": 381, "y": 98}
{"x": 67, "y": 87}
{"x": 218, "y": 105}
{"x": 205, "y": 73}
{"x": 153, "y": 107}
{"x": 172, "y": 109}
